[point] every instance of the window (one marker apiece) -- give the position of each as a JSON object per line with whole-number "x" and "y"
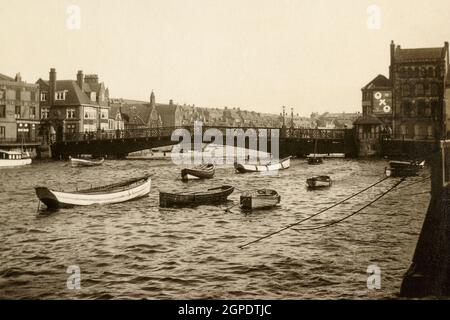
{"x": 70, "y": 113}
{"x": 93, "y": 96}
{"x": 2, "y": 132}
{"x": 71, "y": 128}
{"x": 431, "y": 73}
{"x": 17, "y": 112}
{"x": 60, "y": 95}
{"x": 407, "y": 108}
{"x": 32, "y": 112}
{"x": 44, "y": 113}
{"x": 2, "y": 111}
{"x": 406, "y": 90}
{"x": 434, "y": 89}
{"x": 104, "y": 114}
{"x": 90, "y": 113}
{"x": 43, "y": 96}
{"x": 422, "y": 107}
{"x": 420, "y": 90}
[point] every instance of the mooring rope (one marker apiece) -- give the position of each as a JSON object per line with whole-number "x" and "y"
{"x": 353, "y": 213}
{"x": 414, "y": 183}
{"x": 314, "y": 215}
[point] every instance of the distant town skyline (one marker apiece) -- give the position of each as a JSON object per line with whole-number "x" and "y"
{"x": 314, "y": 56}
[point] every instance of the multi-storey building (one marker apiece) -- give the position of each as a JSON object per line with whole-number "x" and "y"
{"x": 409, "y": 102}
{"x": 19, "y": 112}
{"x": 74, "y": 106}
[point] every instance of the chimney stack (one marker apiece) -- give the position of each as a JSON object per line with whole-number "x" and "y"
{"x": 170, "y": 102}
{"x": 52, "y": 86}
{"x": 80, "y": 79}
{"x": 18, "y": 77}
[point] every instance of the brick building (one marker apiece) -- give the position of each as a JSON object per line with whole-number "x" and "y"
{"x": 408, "y": 102}
{"x": 19, "y": 112}
{"x": 73, "y": 106}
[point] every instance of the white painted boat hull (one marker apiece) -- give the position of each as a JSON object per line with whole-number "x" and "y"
{"x": 14, "y": 162}
{"x": 283, "y": 164}
{"x": 86, "y": 163}
{"x": 56, "y": 199}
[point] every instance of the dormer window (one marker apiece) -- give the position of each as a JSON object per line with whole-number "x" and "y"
{"x": 93, "y": 96}
{"x": 60, "y": 95}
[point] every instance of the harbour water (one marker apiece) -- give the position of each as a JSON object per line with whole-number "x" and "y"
{"x": 137, "y": 250}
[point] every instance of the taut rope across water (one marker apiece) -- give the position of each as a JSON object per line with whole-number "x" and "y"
{"x": 328, "y": 208}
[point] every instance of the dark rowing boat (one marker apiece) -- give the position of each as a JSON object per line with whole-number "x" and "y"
{"x": 404, "y": 168}
{"x": 319, "y": 182}
{"x": 205, "y": 171}
{"x": 315, "y": 160}
{"x": 194, "y": 198}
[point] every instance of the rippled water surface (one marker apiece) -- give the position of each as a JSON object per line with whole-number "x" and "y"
{"x": 137, "y": 250}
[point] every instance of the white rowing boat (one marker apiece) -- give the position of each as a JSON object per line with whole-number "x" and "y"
{"x": 113, "y": 193}
{"x": 271, "y": 166}
{"x": 78, "y": 162}
{"x": 259, "y": 199}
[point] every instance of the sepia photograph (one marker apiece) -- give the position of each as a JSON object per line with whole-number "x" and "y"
{"x": 211, "y": 150}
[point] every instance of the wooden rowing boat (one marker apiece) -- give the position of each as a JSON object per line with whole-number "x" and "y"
{"x": 271, "y": 166}
{"x": 403, "y": 168}
{"x": 193, "y": 198}
{"x": 78, "y": 162}
{"x": 205, "y": 171}
{"x": 315, "y": 160}
{"x": 319, "y": 182}
{"x": 113, "y": 193}
{"x": 259, "y": 199}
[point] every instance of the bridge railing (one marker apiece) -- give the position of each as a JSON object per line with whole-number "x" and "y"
{"x": 166, "y": 132}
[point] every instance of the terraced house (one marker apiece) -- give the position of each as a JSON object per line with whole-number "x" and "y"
{"x": 19, "y": 112}
{"x": 74, "y": 106}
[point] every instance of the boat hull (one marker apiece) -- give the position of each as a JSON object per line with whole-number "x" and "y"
{"x": 211, "y": 196}
{"x": 14, "y": 162}
{"x": 318, "y": 182}
{"x": 280, "y": 165}
{"x": 57, "y": 199}
{"x": 315, "y": 161}
{"x": 205, "y": 172}
{"x": 403, "y": 169}
{"x": 251, "y": 201}
{"x": 86, "y": 163}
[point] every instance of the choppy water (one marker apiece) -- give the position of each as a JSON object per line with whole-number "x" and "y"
{"x": 137, "y": 250}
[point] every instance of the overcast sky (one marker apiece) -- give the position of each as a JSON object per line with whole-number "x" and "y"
{"x": 312, "y": 55}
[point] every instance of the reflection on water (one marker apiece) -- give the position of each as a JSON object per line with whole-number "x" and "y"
{"x": 138, "y": 250}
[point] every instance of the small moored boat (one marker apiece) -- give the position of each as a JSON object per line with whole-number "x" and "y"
{"x": 78, "y": 162}
{"x": 193, "y": 198}
{"x": 259, "y": 199}
{"x": 205, "y": 171}
{"x": 315, "y": 160}
{"x": 403, "y": 168}
{"x": 319, "y": 182}
{"x": 113, "y": 193}
{"x": 14, "y": 158}
{"x": 271, "y": 166}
